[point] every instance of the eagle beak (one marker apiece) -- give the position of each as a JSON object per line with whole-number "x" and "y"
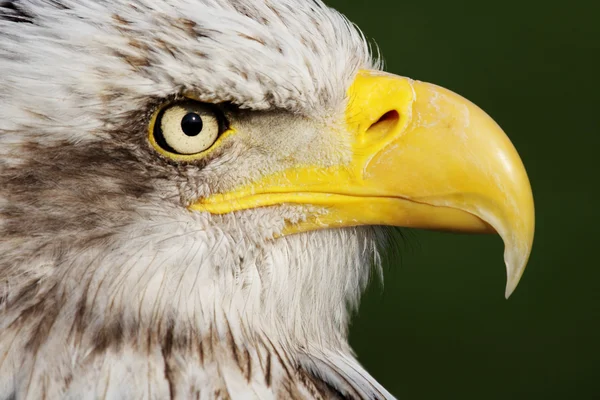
{"x": 422, "y": 157}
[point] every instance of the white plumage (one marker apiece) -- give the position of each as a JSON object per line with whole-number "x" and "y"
{"x": 110, "y": 287}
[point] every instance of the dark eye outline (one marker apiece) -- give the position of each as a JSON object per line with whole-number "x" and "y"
{"x": 159, "y": 142}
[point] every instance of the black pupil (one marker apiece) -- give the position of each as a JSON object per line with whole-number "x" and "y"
{"x": 191, "y": 124}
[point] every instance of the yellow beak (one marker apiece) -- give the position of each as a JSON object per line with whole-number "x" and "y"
{"x": 422, "y": 157}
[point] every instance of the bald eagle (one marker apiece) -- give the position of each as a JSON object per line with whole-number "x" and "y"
{"x": 193, "y": 194}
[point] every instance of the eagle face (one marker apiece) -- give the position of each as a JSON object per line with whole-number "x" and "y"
{"x": 193, "y": 193}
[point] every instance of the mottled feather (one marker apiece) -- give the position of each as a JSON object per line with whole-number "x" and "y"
{"x": 109, "y": 287}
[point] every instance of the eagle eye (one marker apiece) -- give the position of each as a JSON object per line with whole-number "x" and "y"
{"x": 186, "y": 128}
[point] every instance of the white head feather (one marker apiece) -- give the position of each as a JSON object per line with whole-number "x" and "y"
{"x": 104, "y": 266}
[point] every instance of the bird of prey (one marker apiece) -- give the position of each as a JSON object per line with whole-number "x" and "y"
{"x": 194, "y": 193}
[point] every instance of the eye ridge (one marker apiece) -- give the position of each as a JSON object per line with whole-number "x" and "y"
{"x": 192, "y": 124}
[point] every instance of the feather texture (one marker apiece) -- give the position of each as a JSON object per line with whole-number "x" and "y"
{"x": 109, "y": 286}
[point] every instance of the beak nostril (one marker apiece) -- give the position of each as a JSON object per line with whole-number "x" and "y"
{"x": 387, "y": 121}
{"x": 390, "y": 115}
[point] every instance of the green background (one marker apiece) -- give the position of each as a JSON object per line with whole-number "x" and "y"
{"x": 441, "y": 328}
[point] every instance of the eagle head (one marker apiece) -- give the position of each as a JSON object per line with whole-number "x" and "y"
{"x": 193, "y": 194}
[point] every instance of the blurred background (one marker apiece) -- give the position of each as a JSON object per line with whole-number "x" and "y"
{"x": 441, "y": 328}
